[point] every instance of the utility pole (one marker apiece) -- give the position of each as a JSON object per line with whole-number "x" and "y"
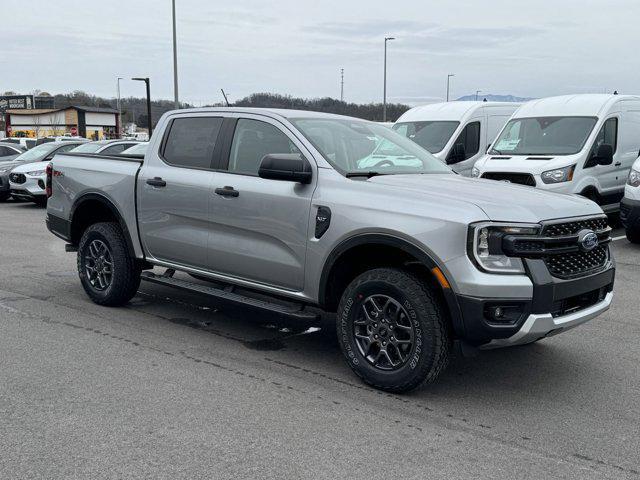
{"x": 175, "y": 59}
{"x": 147, "y": 83}
{"x": 449, "y": 78}
{"x": 225, "y": 97}
{"x": 384, "y": 100}
{"x": 342, "y": 84}
{"x": 119, "y": 132}
{"x": 477, "y": 93}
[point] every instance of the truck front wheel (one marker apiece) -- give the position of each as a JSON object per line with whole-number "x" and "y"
{"x": 393, "y": 330}
{"x": 109, "y": 275}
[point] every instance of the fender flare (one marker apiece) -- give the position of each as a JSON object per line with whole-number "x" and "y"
{"x": 104, "y": 200}
{"x": 393, "y": 241}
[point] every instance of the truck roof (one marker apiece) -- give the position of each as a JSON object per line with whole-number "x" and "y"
{"x": 271, "y": 112}
{"x": 454, "y": 111}
{"x": 581, "y": 105}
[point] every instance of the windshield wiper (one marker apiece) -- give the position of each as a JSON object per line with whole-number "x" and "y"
{"x": 368, "y": 174}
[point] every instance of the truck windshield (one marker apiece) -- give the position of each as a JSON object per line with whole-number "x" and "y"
{"x": 544, "y": 136}
{"x": 353, "y": 147}
{"x": 431, "y": 136}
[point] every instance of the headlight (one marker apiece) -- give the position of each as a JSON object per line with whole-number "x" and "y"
{"x": 475, "y": 172}
{"x": 559, "y": 175}
{"x": 634, "y": 178}
{"x": 36, "y": 173}
{"x": 485, "y": 246}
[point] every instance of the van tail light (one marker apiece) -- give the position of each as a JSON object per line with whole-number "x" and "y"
{"x": 49, "y": 183}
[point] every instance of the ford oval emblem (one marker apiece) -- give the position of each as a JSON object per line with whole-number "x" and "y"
{"x": 588, "y": 240}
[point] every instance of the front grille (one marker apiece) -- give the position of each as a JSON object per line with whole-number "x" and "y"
{"x": 573, "y": 227}
{"x": 567, "y": 265}
{"x": 571, "y": 305}
{"x": 17, "y": 178}
{"x": 558, "y": 245}
{"x": 519, "y": 178}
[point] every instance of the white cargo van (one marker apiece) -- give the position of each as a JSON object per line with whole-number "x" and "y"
{"x": 581, "y": 144}
{"x": 458, "y": 133}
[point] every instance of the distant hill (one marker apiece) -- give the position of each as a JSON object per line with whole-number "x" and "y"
{"x": 494, "y": 98}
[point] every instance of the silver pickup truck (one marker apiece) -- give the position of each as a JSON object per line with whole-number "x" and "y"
{"x": 297, "y": 212}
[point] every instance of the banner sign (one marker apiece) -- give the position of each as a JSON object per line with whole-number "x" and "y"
{"x": 19, "y": 102}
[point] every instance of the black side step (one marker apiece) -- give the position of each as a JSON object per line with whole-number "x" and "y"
{"x": 292, "y": 310}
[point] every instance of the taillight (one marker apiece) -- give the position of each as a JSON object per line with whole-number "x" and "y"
{"x": 49, "y": 172}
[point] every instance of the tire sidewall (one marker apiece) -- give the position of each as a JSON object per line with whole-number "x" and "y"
{"x": 89, "y": 236}
{"x": 422, "y": 353}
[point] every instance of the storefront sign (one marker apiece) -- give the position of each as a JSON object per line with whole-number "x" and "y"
{"x": 19, "y": 102}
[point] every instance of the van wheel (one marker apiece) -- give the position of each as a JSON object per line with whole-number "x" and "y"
{"x": 109, "y": 275}
{"x": 633, "y": 234}
{"x": 393, "y": 330}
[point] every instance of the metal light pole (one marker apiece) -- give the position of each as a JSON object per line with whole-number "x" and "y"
{"x": 175, "y": 58}
{"x": 119, "y": 132}
{"x": 342, "y": 84}
{"x": 477, "y": 93}
{"x": 449, "y": 78}
{"x": 384, "y": 100}
{"x": 147, "y": 83}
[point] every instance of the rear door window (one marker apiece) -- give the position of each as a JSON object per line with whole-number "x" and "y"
{"x": 191, "y": 141}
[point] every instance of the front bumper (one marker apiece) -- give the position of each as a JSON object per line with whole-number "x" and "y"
{"x": 4, "y": 183}
{"x": 630, "y": 213}
{"x": 539, "y": 326}
{"x": 555, "y": 305}
{"x": 32, "y": 188}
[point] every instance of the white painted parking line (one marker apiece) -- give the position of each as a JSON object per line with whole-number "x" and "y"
{"x": 622, "y": 237}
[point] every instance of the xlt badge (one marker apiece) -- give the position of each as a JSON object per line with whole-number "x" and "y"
{"x": 323, "y": 219}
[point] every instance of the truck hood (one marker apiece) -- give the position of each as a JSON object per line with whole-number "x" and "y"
{"x": 500, "y": 201}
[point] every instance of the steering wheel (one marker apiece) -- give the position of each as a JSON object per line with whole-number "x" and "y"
{"x": 384, "y": 163}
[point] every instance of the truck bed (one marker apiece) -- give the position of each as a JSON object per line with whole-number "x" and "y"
{"x": 79, "y": 176}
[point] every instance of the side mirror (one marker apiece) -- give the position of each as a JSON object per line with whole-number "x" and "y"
{"x": 458, "y": 152}
{"x": 604, "y": 155}
{"x": 291, "y": 167}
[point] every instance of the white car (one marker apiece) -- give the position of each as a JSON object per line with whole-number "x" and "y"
{"x": 575, "y": 144}
{"x": 106, "y": 147}
{"x": 630, "y": 205}
{"x": 27, "y": 180}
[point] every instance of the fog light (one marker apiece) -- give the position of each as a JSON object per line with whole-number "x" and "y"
{"x": 41, "y": 184}
{"x": 506, "y": 314}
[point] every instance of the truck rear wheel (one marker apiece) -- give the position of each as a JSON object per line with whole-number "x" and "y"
{"x": 109, "y": 275}
{"x": 393, "y": 330}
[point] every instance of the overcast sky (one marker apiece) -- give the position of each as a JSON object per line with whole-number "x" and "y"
{"x": 536, "y": 48}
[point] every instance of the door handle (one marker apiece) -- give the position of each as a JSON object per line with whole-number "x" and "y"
{"x": 617, "y": 164}
{"x": 227, "y": 191}
{"x": 156, "y": 182}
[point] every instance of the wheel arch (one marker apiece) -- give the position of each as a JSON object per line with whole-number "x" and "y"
{"x": 341, "y": 267}
{"x": 91, "y": 208}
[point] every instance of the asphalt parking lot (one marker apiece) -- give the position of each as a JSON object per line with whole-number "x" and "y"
{"x": 173, "y": 387}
